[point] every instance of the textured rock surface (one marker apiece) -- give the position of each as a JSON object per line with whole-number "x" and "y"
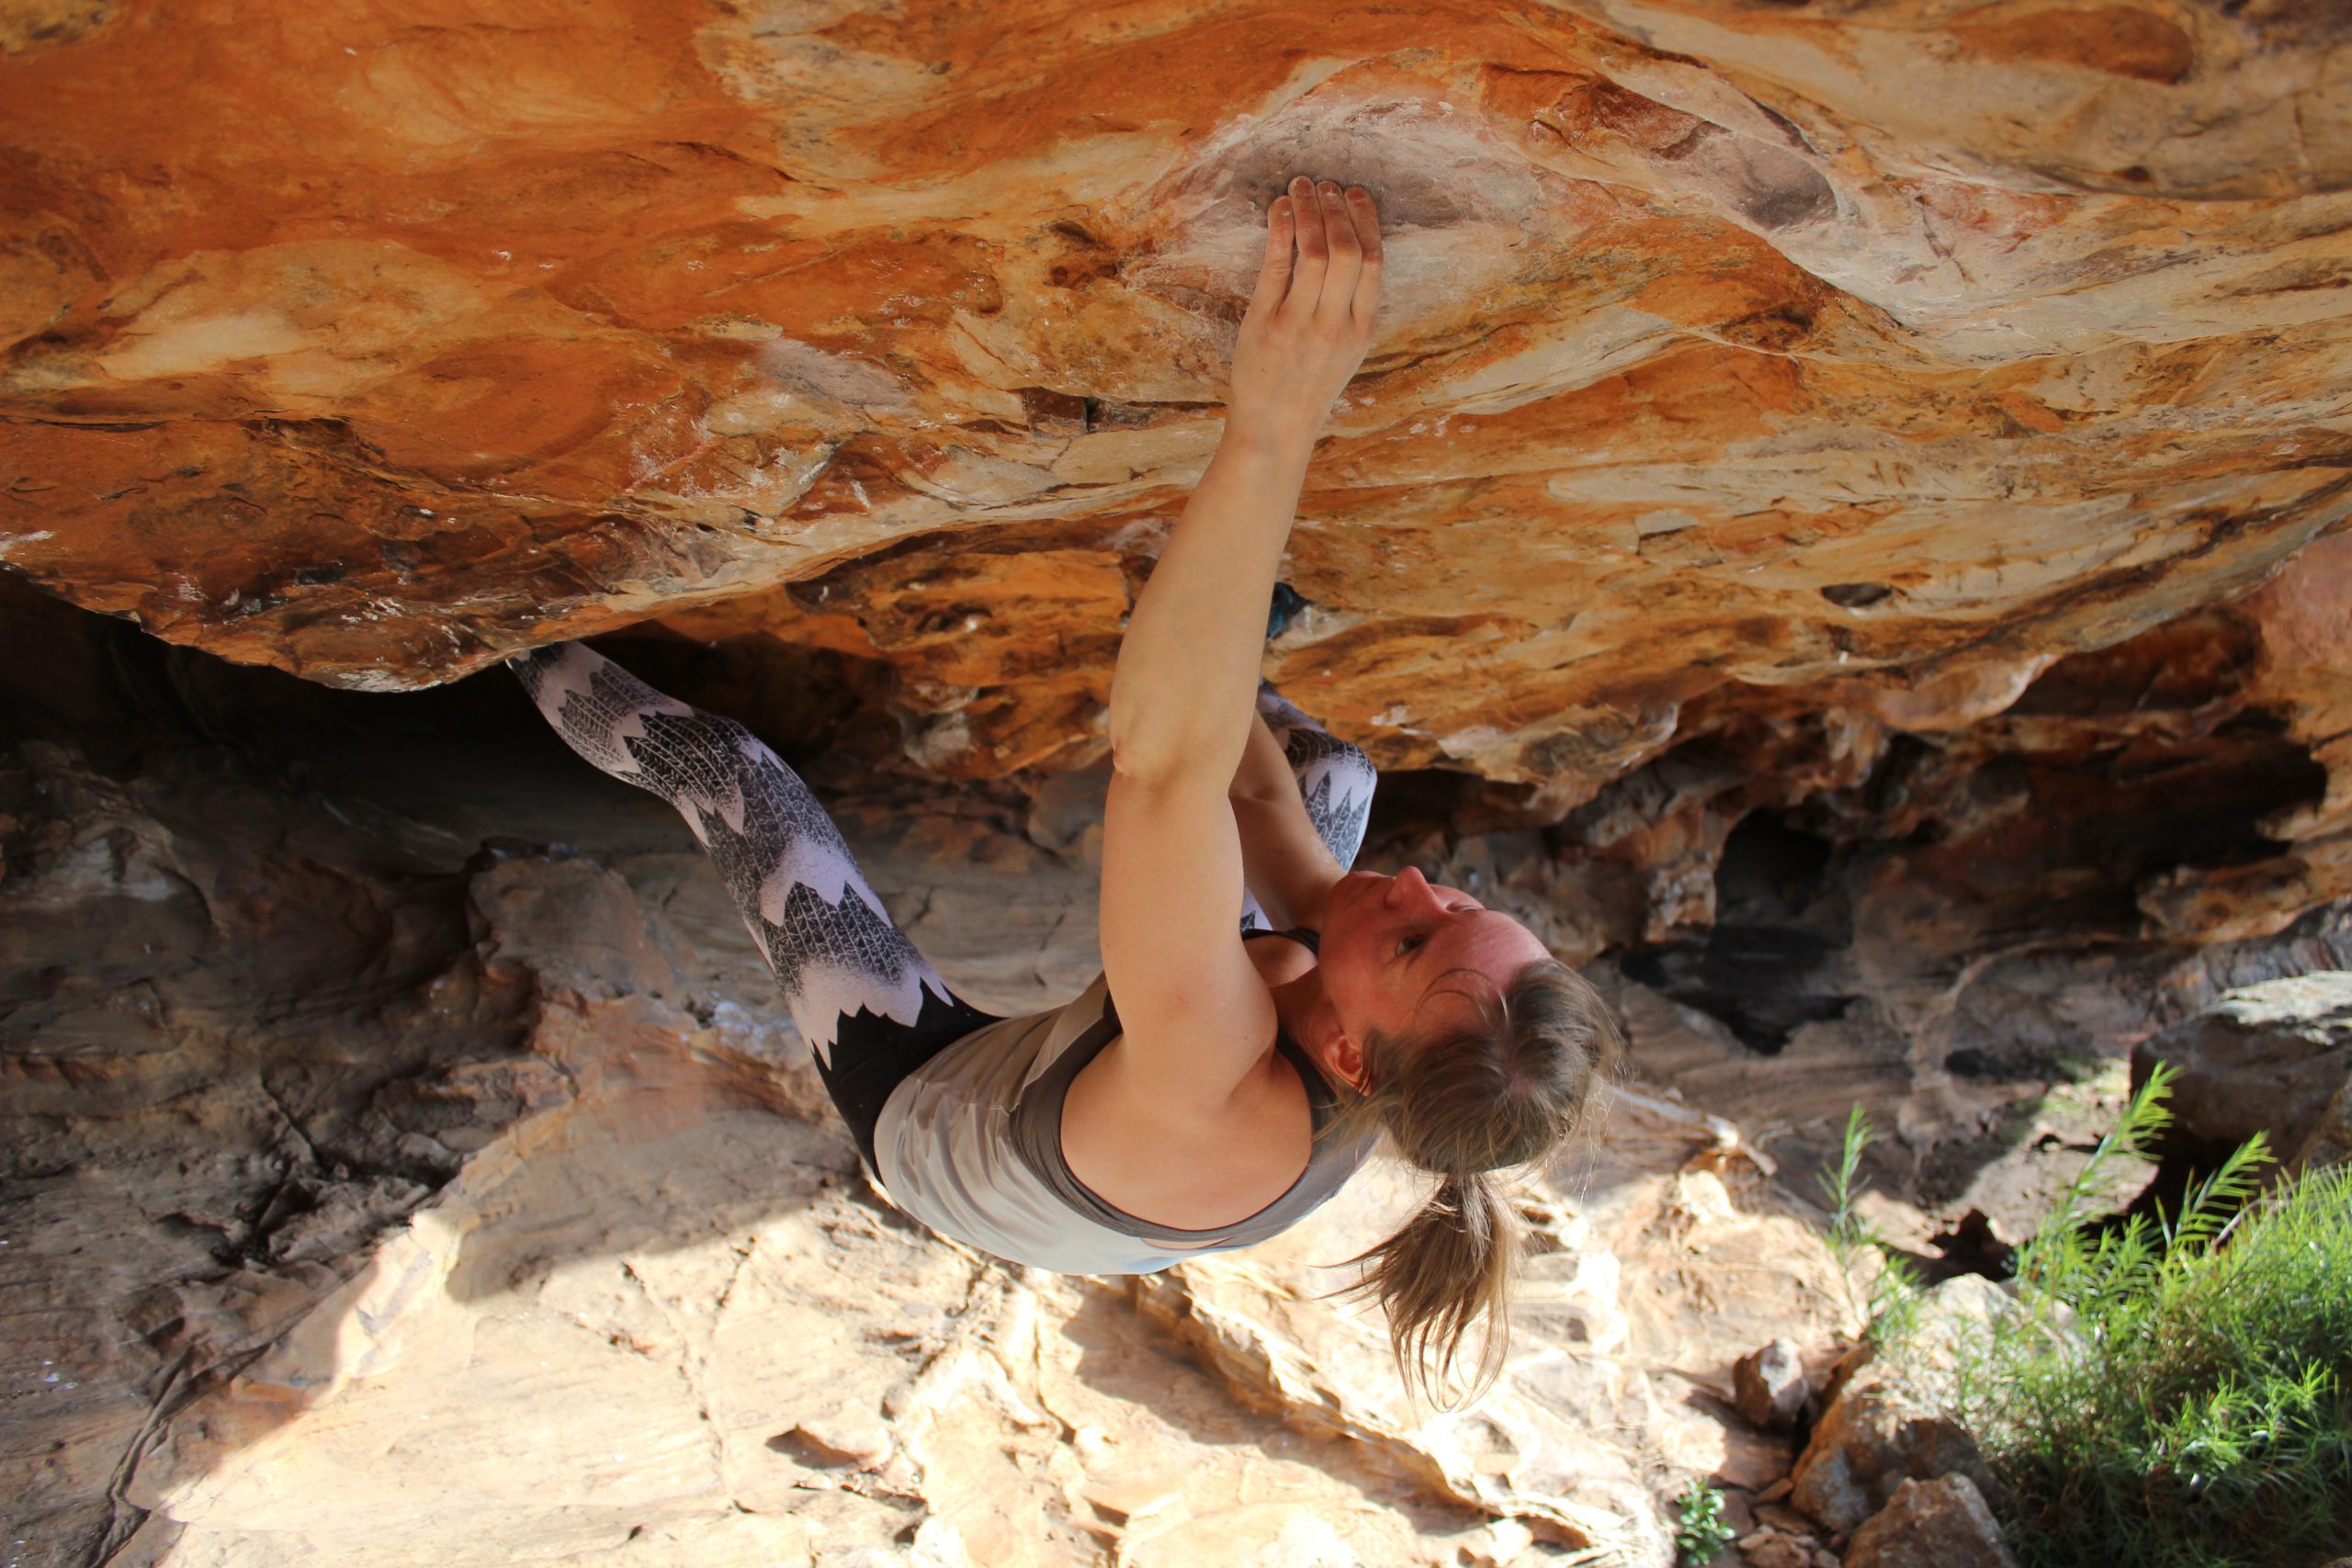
{"x": 1772, "y": 1548}
{"x": 1739, "y": 364}
{"x": 2269, "y": 1058}
{"x": 1942, "y": 1523}
{"x": 1845, "y": 493}
{"x": 2331, "y": 1140}
{"x": 1770, "y": 1386}
{"x": 406, "y": 1163}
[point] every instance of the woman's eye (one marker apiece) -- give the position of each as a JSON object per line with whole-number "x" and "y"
{"x": 1409, "y": 943}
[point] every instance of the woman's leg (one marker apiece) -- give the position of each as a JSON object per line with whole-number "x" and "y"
{"x": 1335, "y": 780}
{"x": 869, "y": 1006}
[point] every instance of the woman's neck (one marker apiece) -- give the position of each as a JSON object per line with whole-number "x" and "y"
{"x": 1304, "y": 1013}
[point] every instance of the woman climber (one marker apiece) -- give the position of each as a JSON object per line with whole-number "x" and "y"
{"x": 1242, "y": 1075}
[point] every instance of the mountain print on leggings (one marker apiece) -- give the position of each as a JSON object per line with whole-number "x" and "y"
{"x": 1335, "y": 779}
{"x": 833, "y": 945}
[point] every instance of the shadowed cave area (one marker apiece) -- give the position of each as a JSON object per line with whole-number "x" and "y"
{"x": 1772, "y": 961}
{"x": 1761, "y": 968}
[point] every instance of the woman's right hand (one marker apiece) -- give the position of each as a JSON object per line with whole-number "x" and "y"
{"x": 1310, "y": 318}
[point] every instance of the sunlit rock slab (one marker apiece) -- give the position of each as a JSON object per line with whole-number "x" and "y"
{"x": 663, "y": 1307}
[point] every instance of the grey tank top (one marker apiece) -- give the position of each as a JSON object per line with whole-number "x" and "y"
{"x": 970, "y": 1145}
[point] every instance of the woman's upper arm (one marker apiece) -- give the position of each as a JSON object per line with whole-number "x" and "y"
{"x": 1197, "y": 1019}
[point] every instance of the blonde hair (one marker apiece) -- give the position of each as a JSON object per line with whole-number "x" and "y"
{"x": 1506, "y": 1091}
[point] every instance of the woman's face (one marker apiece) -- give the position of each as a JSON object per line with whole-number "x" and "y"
{"x": 1394, "y": 949}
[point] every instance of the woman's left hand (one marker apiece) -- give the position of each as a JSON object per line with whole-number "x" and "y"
{"x": 1310, "y": 318}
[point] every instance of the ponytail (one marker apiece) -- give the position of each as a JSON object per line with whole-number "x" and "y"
{"x": 1454, "y": 1264}
{"x": 1505, "y": 1093}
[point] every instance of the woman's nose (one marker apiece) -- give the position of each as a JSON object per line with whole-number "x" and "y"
{"x": 1406, "y": 884}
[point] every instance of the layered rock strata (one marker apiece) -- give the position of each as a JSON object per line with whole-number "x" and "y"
{"x": 1726, "y": 351}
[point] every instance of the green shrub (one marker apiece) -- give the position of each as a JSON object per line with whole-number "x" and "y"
{"x": 2177, "y": 1391}
{"x": 1700, "y": 1532}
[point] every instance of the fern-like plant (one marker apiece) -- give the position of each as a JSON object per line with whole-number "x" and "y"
{"x": 2175, "y": 1390}
{"x": 1891, "y": 1308}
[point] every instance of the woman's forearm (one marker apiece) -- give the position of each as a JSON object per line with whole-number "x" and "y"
{"x": 1264, "y": 770}
{"x": 1183, "y": 696}
{"x": 1283, "y": 859}
{"x": 1181, "y": 699}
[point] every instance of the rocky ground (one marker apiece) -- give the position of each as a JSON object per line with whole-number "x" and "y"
{"x": 407, "y": 1162}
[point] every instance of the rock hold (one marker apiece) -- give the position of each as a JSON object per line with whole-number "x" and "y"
{"x": 1770, "y": 1386}
{"x": 1942, "y": 1523}
{"x": 1885, "y": 1420}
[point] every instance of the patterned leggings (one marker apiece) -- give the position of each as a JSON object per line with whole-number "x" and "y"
{"x": 870, "y": 1006}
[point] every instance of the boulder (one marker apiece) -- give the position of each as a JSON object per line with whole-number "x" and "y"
{"x": 2331, "y": 1140}
{"x": 1770, "y": 1386}
{"x": 2271, "y": 1058}
{"x": 1943, "y": 1523}
{"x": 1886, "y": 1422}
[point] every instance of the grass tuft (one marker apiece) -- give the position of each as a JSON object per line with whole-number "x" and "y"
{"x": 1891, "y": 1309}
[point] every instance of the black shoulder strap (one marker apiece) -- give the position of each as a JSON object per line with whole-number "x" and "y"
{"x": 1306, "y": 937}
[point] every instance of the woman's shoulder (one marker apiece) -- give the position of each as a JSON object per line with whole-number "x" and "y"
{"x": 1200, "y": 1166}
{"x": 1192, "y": 1171}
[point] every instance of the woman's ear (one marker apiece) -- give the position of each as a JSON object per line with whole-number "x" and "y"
{"x": 1346, "y": 1060}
